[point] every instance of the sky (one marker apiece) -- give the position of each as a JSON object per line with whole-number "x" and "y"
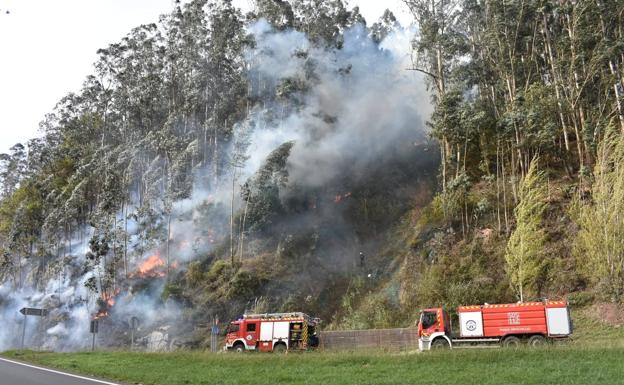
{"x": 48, "y": 47}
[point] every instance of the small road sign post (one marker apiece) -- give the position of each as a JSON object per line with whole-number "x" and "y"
{"x": 214, "y": 334}
{"x": 24, "y": 330}
{"x": 93, "y": 328}
{"x": 134, "y": 324}
{"x": 26, "y": 311}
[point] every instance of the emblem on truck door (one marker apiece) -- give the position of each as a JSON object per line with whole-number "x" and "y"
{"x": 513, "y": 318}
{"x": 471, "y": 325}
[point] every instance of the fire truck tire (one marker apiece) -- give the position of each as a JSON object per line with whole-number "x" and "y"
{"x": 537, "y": 340}
{"x": 511, "y": 342}
{"x": 239, "y": 347}
{"x": 439, "y": 343}
{"x": 279, "y": 348}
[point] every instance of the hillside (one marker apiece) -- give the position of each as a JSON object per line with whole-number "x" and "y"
{"x": 300, "y": 158}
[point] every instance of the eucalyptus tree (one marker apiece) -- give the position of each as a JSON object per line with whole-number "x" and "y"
{"x": 599, "y": 246}
{"x": 324, "y": 21}
{"x": 438, "y": 48}
{"x": 386, "y": 25}
{"x": 279, "y": 13}
{"x": 525, "y": 248}
{"x": 226, "y": 88}
{"x": 12, "y": 169}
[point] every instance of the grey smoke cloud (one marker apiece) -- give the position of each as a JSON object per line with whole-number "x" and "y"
{"x": 361, "y": 105}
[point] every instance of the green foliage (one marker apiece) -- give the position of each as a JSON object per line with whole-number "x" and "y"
{"x": 387, "y": 24}
{"x": 263, "y": 190}
{"x": 323, "y": 20}
{"x": 580, "y": 299}
{"x": 600, "y": 241}
{"x": 460, "y": 279}
{"x": 525, "y": 248}
{"x": 374, "y": 311}
{"x": 365, "y": 308}
{"x": 218, "y": 270}
{"x": 435, "y": 212}
{"x": 278, "y": 13}
{"x": 244, "y": 285}
{"x": 172, "y": 291}
{"x": 195, "y": 275}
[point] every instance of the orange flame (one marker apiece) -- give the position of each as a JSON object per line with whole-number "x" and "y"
{"x": 340, "y": 197}
{"x": 108, "y": 301}
{"x": 101, "y": 314}
{"x": 152, "y": 267}
{"x": 151, "y": 264}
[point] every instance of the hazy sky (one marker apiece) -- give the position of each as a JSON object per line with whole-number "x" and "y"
{"x": 47, "y": 48}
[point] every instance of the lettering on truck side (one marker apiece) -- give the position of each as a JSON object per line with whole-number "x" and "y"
{"x": 516, "y": 329}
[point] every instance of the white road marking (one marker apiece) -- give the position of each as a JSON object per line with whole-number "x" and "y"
{"x": 57, "y": 372}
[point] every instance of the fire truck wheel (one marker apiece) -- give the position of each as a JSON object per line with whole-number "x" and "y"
{"x": 238, "y": 347}
{"x": 537, "y": 340}
{"x": 279, "y": 348}
{"x": 439, "y": 343}
{"x": 511, "y": 342}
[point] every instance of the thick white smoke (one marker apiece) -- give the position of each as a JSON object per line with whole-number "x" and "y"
{"x": 360, "y": 103}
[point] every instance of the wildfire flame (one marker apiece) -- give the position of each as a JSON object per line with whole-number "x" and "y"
{"x": 152, "y": 267}
{"x": 107, "y": 301}
{"x": 150, "y": 264}
{"x": 340, "y": 197}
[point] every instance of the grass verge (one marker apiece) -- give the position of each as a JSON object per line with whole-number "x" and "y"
{"x": 553, "y": 365}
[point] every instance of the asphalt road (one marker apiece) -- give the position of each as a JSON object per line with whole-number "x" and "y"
{"x": 17, "y": 373}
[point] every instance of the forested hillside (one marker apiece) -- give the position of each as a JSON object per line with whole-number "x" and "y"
{"x": 299, "y": 157}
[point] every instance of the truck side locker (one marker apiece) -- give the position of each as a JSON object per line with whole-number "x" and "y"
{"x": 558, "y": 321}
{"x": 448, "y": 325}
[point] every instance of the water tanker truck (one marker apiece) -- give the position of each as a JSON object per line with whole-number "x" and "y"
{"x": 272, "y": 332}
{"x": 534, "y": 323}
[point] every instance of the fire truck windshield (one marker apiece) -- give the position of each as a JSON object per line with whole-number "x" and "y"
{"x": 429, "y": 319}
{"x": 233, "y": 328}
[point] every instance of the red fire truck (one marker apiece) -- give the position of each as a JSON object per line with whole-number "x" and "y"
{"x": 507, "y": 324}
{"x": 273, "y": 332}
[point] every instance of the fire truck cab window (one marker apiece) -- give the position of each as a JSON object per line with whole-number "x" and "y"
{"x": 251, "y": 327}
{"x": 429, "y": 319}
{"x": 233, "y": 328}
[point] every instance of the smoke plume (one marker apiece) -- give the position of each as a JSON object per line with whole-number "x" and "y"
{"x": 346, "y": 110}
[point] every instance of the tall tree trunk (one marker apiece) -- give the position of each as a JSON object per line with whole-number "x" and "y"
{"x": 498, "y": 192}
{"x": 504, "y": 195}
{"x": 125, "y": 211}
{"x": 232, "y": 218}
{"x": 443, "y": 146}
{"x": 617, "y": 94}
{"x": 555, "y": 76}
{"x": 168, "y": 242}
{"x": 242, "y": 232}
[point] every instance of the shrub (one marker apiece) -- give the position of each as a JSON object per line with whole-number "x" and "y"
{"x": 580, "y": 298}
{"x": 194, "y": 275}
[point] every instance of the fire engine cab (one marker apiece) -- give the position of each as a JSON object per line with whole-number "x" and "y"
{"x": 272, "y": 332}
{"x": 534, "y": 323}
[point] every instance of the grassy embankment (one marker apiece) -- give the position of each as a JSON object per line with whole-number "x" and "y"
{"x": 556, "y": 365}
